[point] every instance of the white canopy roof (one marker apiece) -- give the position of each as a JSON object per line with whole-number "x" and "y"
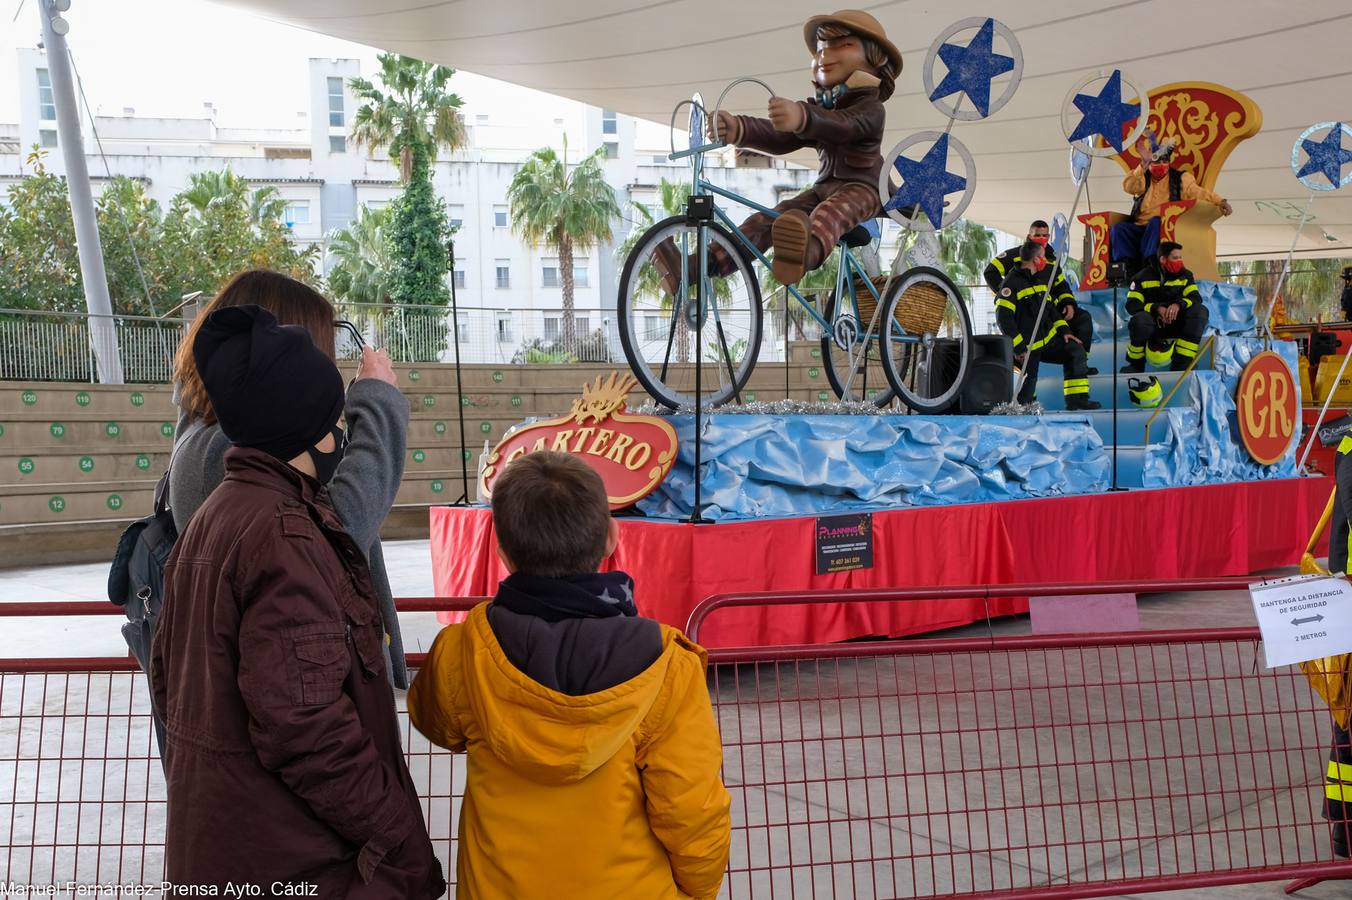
{"x": 1294, "y": 59}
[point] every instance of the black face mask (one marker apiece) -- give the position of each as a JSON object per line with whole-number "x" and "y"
{"x": 327, "y": 463}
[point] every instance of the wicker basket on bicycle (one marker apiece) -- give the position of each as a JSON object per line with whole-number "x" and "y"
{"x": 919, "y": 311}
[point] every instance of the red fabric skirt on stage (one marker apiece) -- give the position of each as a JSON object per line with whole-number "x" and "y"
{"x": 1215, "y": 530}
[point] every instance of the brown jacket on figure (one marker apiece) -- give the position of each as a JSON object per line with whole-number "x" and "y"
{"x": 283, "y": 761}
{"x": 848, "y": 138}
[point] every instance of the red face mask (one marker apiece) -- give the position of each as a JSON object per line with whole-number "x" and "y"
{"x": 1159, "y": 170}
{"x": 1039, "y": 264}
{"x": 1041, "y": 239}
{"x": 1172, "y": 266}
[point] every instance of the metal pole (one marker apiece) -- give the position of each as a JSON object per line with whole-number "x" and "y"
{"x": 459, "y": 386}
{"x": 701, "y": 245}
{"x": 102, "y": 330}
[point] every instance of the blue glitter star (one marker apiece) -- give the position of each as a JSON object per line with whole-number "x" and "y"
{"x": 1105, "y": 114}
{"x": 927, "y": 182}
{"x": 1327, "y": 156}
{"x": 971, "y": 69}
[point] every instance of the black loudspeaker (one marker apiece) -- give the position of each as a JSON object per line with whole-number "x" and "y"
{"x": 990, "y": 378}
{"x": 990, "y": 374}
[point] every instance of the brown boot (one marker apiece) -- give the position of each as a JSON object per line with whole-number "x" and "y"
{"x": 791, "y": 234}
{"x": 666, "y": 259}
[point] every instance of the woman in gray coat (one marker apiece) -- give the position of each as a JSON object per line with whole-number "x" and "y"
{"x": 368, "y": 475}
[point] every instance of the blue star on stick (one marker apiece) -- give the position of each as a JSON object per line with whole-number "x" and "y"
{"x": 927, "y": 182}
{"x": 971, "y": 69}
{"x": 1327, "y": 156}
{"x": 1106, "y": 114}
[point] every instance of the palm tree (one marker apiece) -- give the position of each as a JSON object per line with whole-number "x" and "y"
{"x": 1310, "y": 289}
{"x": 966, "y": 248}
{"x": 224, "y": 188}
{"x": 413, "y": 112}
{"x": 568, "y": 210}
{"x": 361, "y": 259}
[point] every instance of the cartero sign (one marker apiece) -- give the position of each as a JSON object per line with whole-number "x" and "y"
{"x": 632, "y": 454}
{"x": 1266, "y": 403}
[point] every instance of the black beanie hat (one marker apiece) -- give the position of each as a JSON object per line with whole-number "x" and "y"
{"x": 272, "y": 388}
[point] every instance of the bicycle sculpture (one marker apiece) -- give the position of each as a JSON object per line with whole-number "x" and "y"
{"x": 689, "y": 291}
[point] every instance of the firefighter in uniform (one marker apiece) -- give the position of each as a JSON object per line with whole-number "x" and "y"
{"x": 1167, "y": 314}
{"x": 1022, "y": 294}
{"x": 1081, "y": 325}
{"x": 1338, "y": 780}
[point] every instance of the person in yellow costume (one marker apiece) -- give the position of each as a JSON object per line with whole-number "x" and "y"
{"x": 594, "y": 756}
{"x": 1152, "y": 184}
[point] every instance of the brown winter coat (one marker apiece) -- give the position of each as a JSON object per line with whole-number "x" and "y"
{"x": 848, "y": 138}
{"x": 283, "y": 759}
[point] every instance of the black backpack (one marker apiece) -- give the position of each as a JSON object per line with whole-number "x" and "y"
{"x": 136, "y": 580}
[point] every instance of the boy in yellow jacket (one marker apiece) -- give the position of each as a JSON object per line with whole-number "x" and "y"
{"x": 594, "y": 756}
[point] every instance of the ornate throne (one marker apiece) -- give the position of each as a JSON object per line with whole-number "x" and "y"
{"x": 1208, "y": 121}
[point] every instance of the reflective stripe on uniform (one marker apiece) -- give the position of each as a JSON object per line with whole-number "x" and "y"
{"x": 1035, "y": 289}
{"x": 1339, "y": 792}
{"x": 1148, "y": 284}
{"x": 1005, "y": 304}
{"x": 1077, "y": 386}
{"x": 1159, "y": 357}
{"x": 1135, "y": 351}
{"x": 1018, "y": 339}
{"x": 1340, "y": 771}
{"x": 999, "y": 266}
{"x": 1344, "y": 446}
{"x": 1185, "y": 348}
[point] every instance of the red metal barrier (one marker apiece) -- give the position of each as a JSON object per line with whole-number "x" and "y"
{"x": 1036, "y": 766}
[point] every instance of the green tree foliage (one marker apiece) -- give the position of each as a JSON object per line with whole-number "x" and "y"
{"x": 568, "y": 209}
{"x": 214, "y": 228}
{"x": 1310, "y": 290}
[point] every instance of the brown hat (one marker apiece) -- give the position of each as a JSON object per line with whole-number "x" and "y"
{"x": 860, "y": 23}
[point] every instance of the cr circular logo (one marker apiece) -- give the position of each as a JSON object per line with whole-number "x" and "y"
{"x": 419, "y": 456}
{"x": 429, "y": 401}
{"x": 486, "y": 427}
{"x": 82, "y": 398}
{"x": 438, "y": 487}
{"x": 439, "y": 428}
{"x": 26, "y": 466}
{"x": 58, "y": 430}
{"x": 29, "y": 398}
{"x": 167, "y": 429}
{"x": 57, "y": 504}
{"x": 142, "y": 461}
{"x": 1267, "y": 408}
{"x": 114, "y": 502}
{"x": 112, "y": 429}
{"x": 86, "y": 464}
{"x": 138, "y": 398}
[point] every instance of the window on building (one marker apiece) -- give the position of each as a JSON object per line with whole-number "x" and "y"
{"x": 481, "y": 119}
{"x": 581, "y": 325}
{"x": 654, "y": 328}
{"x": 297, "y": 212}
{"x": 551, "y": 328}
{"x": 335, "y": 103}
{"x": 580, "y": 275}
{"x": 47, "y": 137}
{"x": 499, "y": 216}
{"x": 458, "y": 279}
{"x": 462, "y": 322}
{"x": 46, "y": 100}
{"x": 504, "y": 328}
{"x": 456, "y": 211}
{"x": 550, "y": 273}
{"x": 374, "y": 205}
{"x": 337, "y": 143}
{"x": 504, "y": 267}
{"x": 612, "y": 150}
{"x": 608, "y": 122}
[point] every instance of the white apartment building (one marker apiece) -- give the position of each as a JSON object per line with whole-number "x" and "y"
{"x": 507, "y": 292}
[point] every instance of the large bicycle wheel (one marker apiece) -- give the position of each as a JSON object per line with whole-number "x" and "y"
{"x": 664, "y": 328}
{"x": 927, "y": 344}
{"x": 853, "y": 357}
